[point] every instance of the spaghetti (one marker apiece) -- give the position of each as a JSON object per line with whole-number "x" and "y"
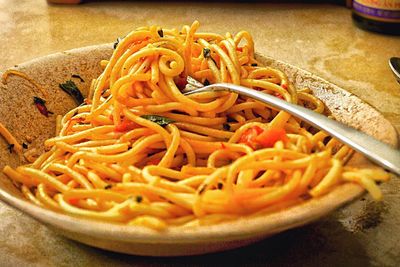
{"x": 142, "y": 153}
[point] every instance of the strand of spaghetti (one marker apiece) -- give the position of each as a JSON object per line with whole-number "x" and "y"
{"x": 188, "y": 101}
{"x": 100, "y": 85}
{"x": 365, "y": 181}
{"x": 79, "y": 178}
{"x": 45, "y": 199}
{"x": 9, "y": 72}
{"x": 182, "y": 199}
{"x": 105, "y": 195}
{"x": 74, "y": 112}
{"x": 152, "y": 171}
{"x": 10, "y": 138}
{"x": 104, "y": 170}
{"x": 187, "y": 52}
{"x": 43, "y": 158}
{"x": 204, "y": 130}
{"x": 271, "y": 164}
{"x": 211, "y": 180}
{"x": 18, "y": 177}
{"x": 267, "y": 86}
{"x": 329, "y": 180}
{"x": 28, "y": 195}
{"x": 276, "y": 195}
{"x": 250, "y": 44}
{"x": 108, "y": 149}
{"x": 113, "y": 214}
{"x": 255, "y": 157}
{"x": 212, "y": 159}
{"x": 194, "y": 119}
{"x": 195, "y": 136}
{"x": 172, "y": 186}
{"x": 116, "y": 70}
{"x": 190, "y": 154}
{"x": 148, "y": 124}
{"x": 319, "y": 105}
{"x": 230, "y": 47}
{"x": 245, "y": 105}
{"x": 122, "y": 157}
{"x": 233, "y": 72}
{"x": 79, "y": 135}
{"x": 170, "y": 107}
{"x": 172, "y": 148}
{"x": 96, "y": 180}
{"x": 42, "y": 177}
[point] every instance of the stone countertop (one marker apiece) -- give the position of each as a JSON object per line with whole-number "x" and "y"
{"x": 318, "y": 38}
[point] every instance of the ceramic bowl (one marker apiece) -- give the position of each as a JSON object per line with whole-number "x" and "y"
{"x": 19, "y": 115}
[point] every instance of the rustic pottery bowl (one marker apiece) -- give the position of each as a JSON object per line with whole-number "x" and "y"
{"x": 19, "y": 115}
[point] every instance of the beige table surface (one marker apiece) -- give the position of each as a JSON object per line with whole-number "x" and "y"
{"x": 318, "y": 38}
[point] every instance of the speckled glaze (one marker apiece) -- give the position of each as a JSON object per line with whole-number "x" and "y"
{"x": 23, "y": 119}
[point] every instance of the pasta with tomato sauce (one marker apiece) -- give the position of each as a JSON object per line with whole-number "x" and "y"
{"x": 140, "y": 152}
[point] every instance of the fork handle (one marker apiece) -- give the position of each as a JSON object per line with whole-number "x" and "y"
{"x": 377, "y": 151}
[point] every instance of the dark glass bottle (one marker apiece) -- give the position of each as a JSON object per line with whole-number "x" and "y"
{"x": 381, "y": 16}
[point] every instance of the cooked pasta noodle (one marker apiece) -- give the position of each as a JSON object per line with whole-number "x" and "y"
{"x": 140, "y": 152}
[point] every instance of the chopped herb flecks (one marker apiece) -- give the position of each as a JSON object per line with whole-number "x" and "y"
{"x": 108, "y": 187}
{"x": 10, "y": 147}
{"x": 70, "y": 88}
{"x": 206, "y": 52}
{"x": 78, "y": 77}
{"x": 139, "y": 199}
{"x": 229, "y": 119}
{"x": 160, "y": 33}
{"x": 160, "y": 120}
{"x": 254, "y": 65}
{"x": 206, "y": 82}
{"x": 226, "y": 127}
{"x": 220, "y": 185}
{"x": 24, "y": 146}
{"x": 41, "y": 106}
{"x": 117, "y": 42}
{"x": 202, "y": 189}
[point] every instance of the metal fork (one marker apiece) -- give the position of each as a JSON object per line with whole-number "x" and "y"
{"x": 377, "y": 151}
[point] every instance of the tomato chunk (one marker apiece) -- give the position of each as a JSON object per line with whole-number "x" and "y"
{"x": 269, "y": 137}
{"x": 256, "y": 137}
{"x": 248, "y": 137}
{"x": 180, "y": 82}
{"x": 125, "y": 126}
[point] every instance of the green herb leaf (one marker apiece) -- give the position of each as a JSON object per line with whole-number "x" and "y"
{"x": 160, "y": 120}
{"x": 254, "y": 65}
{"x": 70, "y": 88}
{"x": 78, "y": 77}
